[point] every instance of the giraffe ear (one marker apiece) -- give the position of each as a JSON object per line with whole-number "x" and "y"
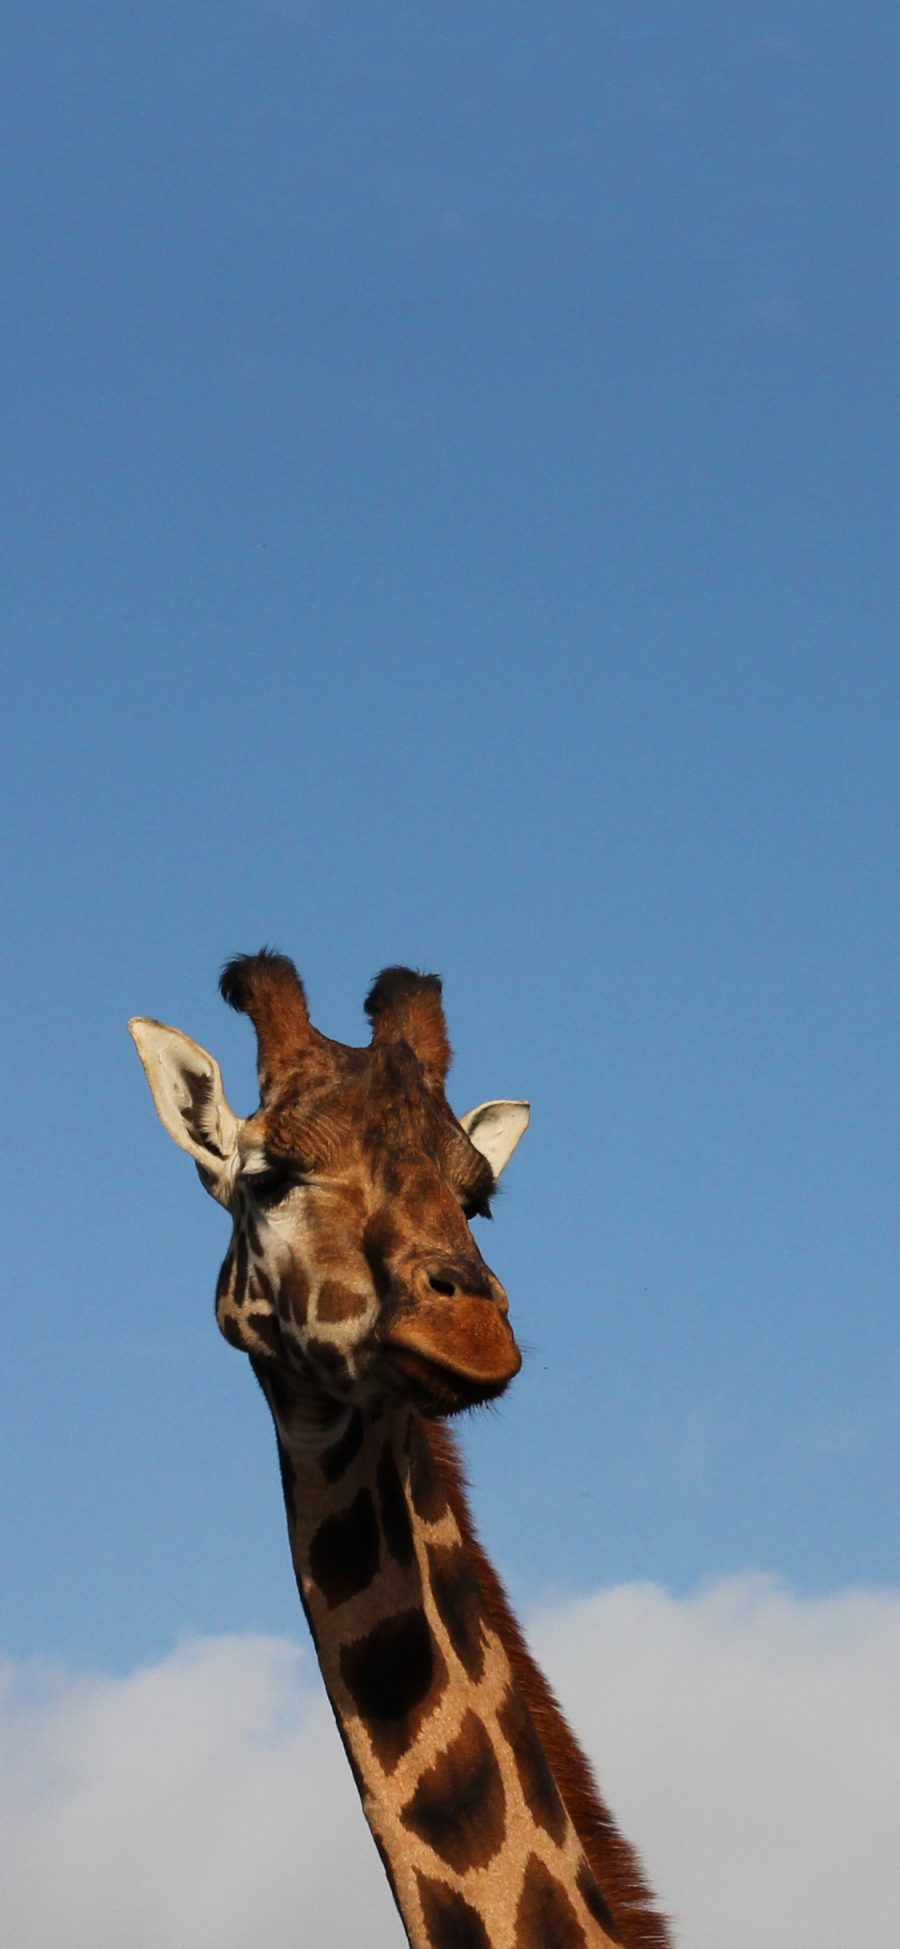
{"x": 186, "y": 1086}
{"x": 495, "y": 1129}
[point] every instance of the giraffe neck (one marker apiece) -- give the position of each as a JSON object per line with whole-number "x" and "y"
{"x": 431, "y": 1697}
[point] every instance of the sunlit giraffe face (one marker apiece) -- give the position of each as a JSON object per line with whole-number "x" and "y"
{"x": 352, "y": 1260}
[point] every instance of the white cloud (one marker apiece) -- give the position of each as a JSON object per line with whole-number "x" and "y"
{"x": 749, "y": 1741}
{"x": 746, "y": 1738}
{"x": 201, "y": 1803}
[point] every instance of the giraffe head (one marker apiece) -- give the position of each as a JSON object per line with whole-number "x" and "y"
{"x": 352, "y": 1263}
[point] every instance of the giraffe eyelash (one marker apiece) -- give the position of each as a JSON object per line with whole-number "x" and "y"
{"x": 270, "y": 1187}
{"x": 478, "y": 1205}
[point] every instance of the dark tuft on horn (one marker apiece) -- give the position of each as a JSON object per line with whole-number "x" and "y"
{"x": 395, "y": 986}
{"x": 405, "y": 1006}
{"x": 241, "y": 978}
{"x": 267, "y": 987}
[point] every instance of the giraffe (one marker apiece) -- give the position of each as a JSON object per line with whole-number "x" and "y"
{"x": 354, "y": 1283}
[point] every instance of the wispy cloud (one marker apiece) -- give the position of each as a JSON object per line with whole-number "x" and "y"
{"x": 746, "y": 1738}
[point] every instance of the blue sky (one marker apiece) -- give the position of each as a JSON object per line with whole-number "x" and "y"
{"x": 452, "y": 499}
{"x": 451, "y": 509}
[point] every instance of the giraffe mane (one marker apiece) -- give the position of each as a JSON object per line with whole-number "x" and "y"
{"x": 613, "y": 1861}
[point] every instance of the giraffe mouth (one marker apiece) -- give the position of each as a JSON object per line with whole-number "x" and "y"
{"x": 455, "y": 1355}
{"x": 437, "y": 1390}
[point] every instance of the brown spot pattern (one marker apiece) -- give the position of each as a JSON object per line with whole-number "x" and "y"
{"x": 240, "y": 1270}
{"x": 261, "y": 1287}
{"x": 336, "y": 1459}
{"x": 338, "y": 1302}
{"x": 394, "y": 1513}
{"x": 343, "y": 1554}
{"x": 458, "y": 1808}
{"x": 295, "y": 1292}
{"x": 459, "y": 1604}
{"x": 545, "y": 1918}
{"x": 426, "y": 1487}
{"x": 232, "y": 1332}
{"x": 539, "y": 1789}
{"x": 449, "y": 1921}
{"x": 615, "y": 1865}
{"x": 265, "y": 1329}
{"x": 595, "y": 1903}
{"x": 395, "y": 1676}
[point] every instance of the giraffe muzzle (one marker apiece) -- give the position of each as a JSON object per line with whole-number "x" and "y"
{"x": 464, "y": 1343}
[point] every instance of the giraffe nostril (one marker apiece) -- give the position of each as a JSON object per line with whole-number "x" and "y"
{"x": 443, "y": 1286}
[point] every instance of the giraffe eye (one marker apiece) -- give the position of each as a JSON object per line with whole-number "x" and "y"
{"x": 270, "y": 1188}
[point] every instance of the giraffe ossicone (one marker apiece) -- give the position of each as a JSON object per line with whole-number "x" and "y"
{"x": 355, "y": 1284}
